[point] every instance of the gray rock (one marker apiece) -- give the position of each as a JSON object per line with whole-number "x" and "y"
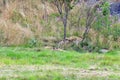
{"x": 91, "y": 2}
{"x": 115, "y": 8}
{"x": 103, "y": 50}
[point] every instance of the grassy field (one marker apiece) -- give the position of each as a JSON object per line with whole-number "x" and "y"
{"x": 34, "y": 64}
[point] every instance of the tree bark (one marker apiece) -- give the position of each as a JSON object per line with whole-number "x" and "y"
{"x": 65, "y": 18}
{"x": 65, "y": 26}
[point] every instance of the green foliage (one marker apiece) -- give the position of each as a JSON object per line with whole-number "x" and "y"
{"x": 105, "y": 8}
{"x": 106, "y": 28}
{"x": 32, "y": 43}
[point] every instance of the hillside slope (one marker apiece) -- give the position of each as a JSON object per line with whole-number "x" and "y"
{"x": 35, "y": 23}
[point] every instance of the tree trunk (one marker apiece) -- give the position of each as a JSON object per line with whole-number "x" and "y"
{"x": 65, "y": 18}
{"x": 85, "y": 33}
{"x": 65, "y": 25}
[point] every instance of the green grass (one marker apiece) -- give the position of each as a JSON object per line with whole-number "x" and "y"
{"x": 18, "y": 59}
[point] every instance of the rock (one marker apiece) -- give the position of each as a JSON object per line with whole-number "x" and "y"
{"x": 103, "y": 51}
{"x": 91, "y": 2}
{"x": 115, "y": 8}
{"x": 93, "y": 68}
{"x": 48, "y": 47}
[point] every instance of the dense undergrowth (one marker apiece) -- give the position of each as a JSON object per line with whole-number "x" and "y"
{"x": 32, "y": 23}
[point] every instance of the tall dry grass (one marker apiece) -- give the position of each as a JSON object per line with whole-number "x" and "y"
{"x": 14, "y": 33}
